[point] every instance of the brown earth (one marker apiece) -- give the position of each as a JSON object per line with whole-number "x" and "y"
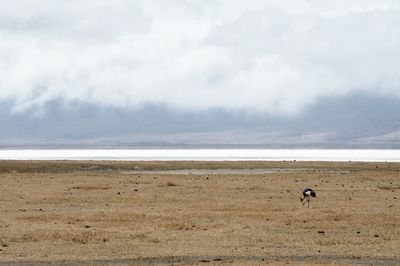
{"x": 198, "y": 213}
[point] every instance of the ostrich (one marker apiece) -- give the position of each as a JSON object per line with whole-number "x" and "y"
{"x": 307, "y": 194}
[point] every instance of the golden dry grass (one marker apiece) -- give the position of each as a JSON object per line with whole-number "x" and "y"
{"x": 126, "y": 213}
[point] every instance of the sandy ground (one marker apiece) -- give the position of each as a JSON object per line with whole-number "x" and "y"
{"x": 132, "y": 213}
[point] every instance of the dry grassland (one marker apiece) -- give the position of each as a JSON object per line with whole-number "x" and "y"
{"x": 222, "y": 213}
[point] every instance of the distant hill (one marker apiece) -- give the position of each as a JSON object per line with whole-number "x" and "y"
{"x": 352, "y": 121}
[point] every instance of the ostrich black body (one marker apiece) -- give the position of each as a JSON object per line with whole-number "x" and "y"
{"x": 309, "y": 192}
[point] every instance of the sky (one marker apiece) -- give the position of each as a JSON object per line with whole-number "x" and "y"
{"x": 259, "y": 56}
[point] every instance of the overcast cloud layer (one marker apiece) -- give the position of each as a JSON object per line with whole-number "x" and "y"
{"x": 269, "y": 56}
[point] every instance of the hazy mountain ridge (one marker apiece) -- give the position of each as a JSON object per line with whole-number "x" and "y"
{"x": 354, "y": 121}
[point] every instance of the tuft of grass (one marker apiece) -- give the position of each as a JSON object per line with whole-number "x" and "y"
{"x": 388, "y": 187}
{"x": 89, "y": 187}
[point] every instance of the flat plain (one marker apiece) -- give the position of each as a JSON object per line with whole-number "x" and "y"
{"x": 198, "y": 213}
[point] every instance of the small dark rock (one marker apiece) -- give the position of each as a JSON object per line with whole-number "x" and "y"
{"x": 358, "y": 232}
{"x": 87, "y": 226}
{"x": 135, "y": 189}
{"x": 321, "y": 232}
{"x": 376, "y": 235}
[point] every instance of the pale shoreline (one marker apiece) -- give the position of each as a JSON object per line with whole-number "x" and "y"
{"x": 326, "y": 155}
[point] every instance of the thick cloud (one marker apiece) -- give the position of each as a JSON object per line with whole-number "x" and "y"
{"x": 268, "y": 56}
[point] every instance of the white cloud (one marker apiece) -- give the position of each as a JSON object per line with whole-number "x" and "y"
{"x": 269, "y": 56}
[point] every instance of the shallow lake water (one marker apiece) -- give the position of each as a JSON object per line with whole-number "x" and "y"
{"x": 204, "y": 155}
